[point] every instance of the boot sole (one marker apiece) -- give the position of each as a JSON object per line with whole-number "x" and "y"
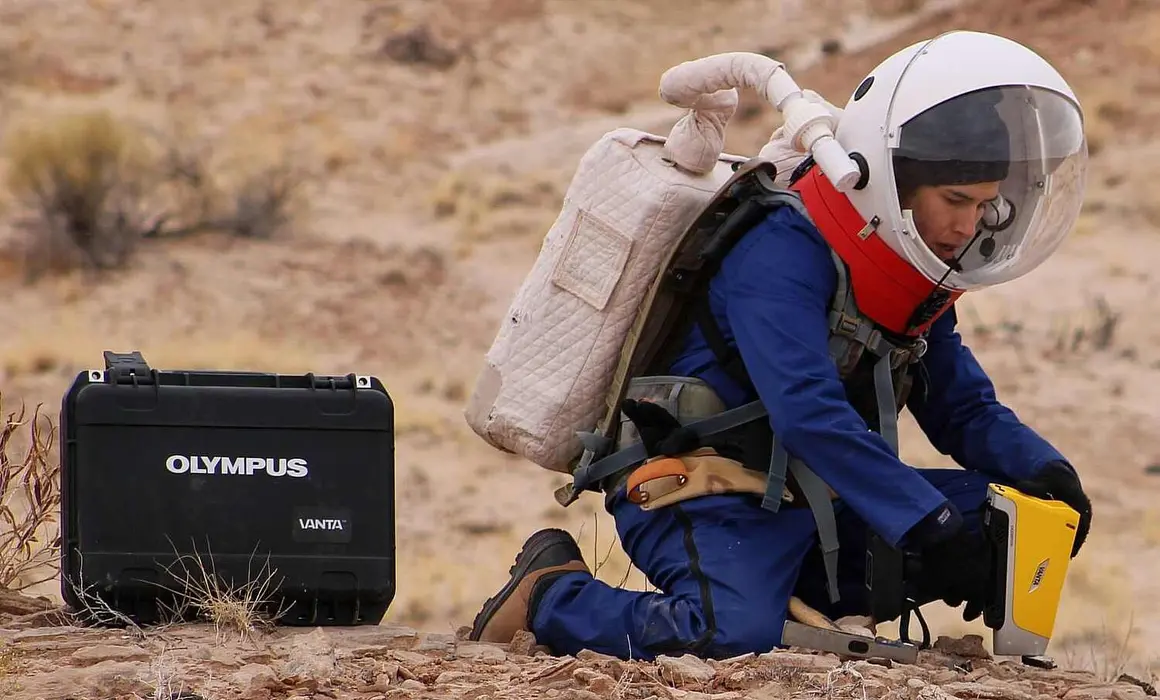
{"x": 535, "y": 545}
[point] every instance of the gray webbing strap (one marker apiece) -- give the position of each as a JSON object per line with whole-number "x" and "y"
{"x": 884, "y": 393}
{"x": 775, "y": 480}
{"x": 817, "y": 495}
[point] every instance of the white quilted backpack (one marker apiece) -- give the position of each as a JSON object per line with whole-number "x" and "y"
{"x": 547, "y": 375}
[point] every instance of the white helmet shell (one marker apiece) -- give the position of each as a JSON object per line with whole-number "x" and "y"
{"x": 969, "y": 107}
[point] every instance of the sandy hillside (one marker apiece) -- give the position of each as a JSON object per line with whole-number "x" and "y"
{"x": 438, "y": 138}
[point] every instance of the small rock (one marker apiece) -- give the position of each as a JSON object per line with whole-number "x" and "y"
{"x": 485, "y": 691}
{"x": 899, "y": 674}
{"x": 1071, "y": 678}
{"x": 969, "y": 646}
{"x": 597, "y": 682}
{"x": 685, "y": 668}
{"x": 936, "y": 659}
{"x": 587, "y": 655}
{"x": 562, "y": 669}
{"x": 410, "y": 658}
{"x": 1098, "y": 692}
{"x": 522, "y": 643}
{"x": 983, "y": 691}
{"x": 437, "y": 642}
{"x": 1045, "y": 688}
{"x": 388, "y": 636}
{"x": 585, "y": 676}
{"x": 224, "y": 658}
{"x": 1006, "y": 671}
{"x": 869, "y": 669}
{"x": 108, "y": 652}
{"x": 412, "y": 684}
{"x": 480, "y": 651}
{"x": 806, "y": 662}
{"x": 916, "y": 683}
{"x": 311, "y": 655}
{"x": 13, "y": 603}
{"x": 449, "y": 677}
{"x": 46, "y": 632}
{"x": 944, "y": 676}
{"x": 252, "y": 678}
{"x": 577, "y": 694}
{"x": 57, "y": 617}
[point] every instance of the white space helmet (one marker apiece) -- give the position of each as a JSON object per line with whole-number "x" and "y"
{"x": 970, "y": 107}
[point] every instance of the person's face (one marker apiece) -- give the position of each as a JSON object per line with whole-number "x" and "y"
{"x": 947, "y": 215}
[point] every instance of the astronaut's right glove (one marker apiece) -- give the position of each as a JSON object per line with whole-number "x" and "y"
{"x": 950, "y": 563}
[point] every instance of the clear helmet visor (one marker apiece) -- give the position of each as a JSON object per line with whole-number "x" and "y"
{"x": 989, "y": 183}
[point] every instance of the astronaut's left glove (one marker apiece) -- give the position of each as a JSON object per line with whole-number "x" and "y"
{"x": 1058, "y": 481}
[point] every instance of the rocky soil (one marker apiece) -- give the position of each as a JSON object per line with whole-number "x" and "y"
{"x": 195, "y": 662}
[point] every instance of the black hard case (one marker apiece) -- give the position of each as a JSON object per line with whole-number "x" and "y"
{"x": 125, "y": 515}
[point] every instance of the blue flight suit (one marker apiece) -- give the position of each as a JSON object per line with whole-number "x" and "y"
{"x": 726, "y": 568}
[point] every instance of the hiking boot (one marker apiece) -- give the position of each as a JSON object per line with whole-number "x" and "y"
{"x": 546, "y": 555}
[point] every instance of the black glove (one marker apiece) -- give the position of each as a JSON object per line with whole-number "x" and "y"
{"x": 1058, "y": 481}
{"x": 659, "y": 430}
{"x": 957, "y": 570}
{"x": 947, "y": 562}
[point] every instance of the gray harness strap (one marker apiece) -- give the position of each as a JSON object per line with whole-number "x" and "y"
{"x": 846, "y": 328}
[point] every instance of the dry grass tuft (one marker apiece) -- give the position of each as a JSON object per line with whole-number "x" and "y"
{"x": 164, "y": 683}
{"x": 29, "y": 504}
{"x": 95, "y": 186}
{"x": 1103, "y": 652}
{"x": 245, "y": 609}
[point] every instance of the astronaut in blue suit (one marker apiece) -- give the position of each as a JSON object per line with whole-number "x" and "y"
{"x": 725, "y": 568}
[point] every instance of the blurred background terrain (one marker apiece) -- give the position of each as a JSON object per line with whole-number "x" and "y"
{"x": 360, "y": 185}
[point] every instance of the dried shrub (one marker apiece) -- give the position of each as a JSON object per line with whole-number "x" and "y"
{"x": 95, "y": 186}
{"x": 249, "y": 195}
{"x": 84, "y": 177}
{"x": 29, "y": 504}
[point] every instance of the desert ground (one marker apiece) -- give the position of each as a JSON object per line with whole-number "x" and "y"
{"x": 435, "y": 142}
